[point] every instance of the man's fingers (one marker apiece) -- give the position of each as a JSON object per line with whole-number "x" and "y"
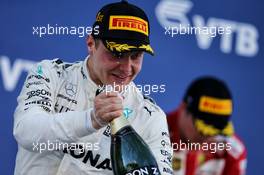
{"x": 112, "y": 115}
{"x": 107, "y": 106}
{"x": 101, "y": 103}
{"x": 113, "y": 100}
{"x": 114, "y": 107}
{"x": 107, "y": 111}
{"x": 99, "y": 122}
{"x": 108, "y": 94}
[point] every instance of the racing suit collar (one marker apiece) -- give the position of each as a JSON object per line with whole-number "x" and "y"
{"x": 88, "y": 82}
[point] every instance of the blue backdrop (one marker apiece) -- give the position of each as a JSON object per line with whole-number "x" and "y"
{"x": 236, "y": 57}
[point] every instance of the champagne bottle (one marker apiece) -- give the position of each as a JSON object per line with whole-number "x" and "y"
{"x": 130, "y": 155}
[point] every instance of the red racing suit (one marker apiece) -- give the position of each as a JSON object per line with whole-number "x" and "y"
{"x": 194, "y": 162}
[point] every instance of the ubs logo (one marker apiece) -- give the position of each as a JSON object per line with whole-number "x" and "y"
{"x": 70, "y": 89}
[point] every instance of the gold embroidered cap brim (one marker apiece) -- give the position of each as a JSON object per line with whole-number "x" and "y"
{"x": 114, "y": 46}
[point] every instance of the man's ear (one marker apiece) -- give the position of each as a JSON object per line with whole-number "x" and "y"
{"x": 90, "y": 44}
{"x": 182, "y": 106}
{"x": 183, "y": 110}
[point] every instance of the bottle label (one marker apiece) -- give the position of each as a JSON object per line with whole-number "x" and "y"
{"x": 147, "y": 170}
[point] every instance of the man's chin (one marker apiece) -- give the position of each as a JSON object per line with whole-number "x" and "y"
{"x": 121, "y": 82}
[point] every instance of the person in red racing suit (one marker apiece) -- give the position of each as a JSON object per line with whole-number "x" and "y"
{"x": 203, "y": 120}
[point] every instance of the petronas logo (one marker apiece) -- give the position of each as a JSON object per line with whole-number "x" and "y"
{"x": 39, "y": 70}
{"x": 127, "y": 112}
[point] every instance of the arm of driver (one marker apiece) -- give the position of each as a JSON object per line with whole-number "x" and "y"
{"x": 35, "y": 120}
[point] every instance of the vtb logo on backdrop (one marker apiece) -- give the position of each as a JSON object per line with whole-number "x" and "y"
{"x": 174, "y": 13}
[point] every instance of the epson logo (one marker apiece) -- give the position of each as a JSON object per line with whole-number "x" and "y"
{"x": 37, "y": 93}
{"x": 144, "y": 171}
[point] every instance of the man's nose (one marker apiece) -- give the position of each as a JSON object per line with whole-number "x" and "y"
{"x": 125, "y": 63}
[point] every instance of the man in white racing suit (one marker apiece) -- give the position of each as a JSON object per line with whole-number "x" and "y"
{"x": 62, "y": 127}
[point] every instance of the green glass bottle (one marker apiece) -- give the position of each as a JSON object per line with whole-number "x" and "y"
{"x": 130, "y": 155}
